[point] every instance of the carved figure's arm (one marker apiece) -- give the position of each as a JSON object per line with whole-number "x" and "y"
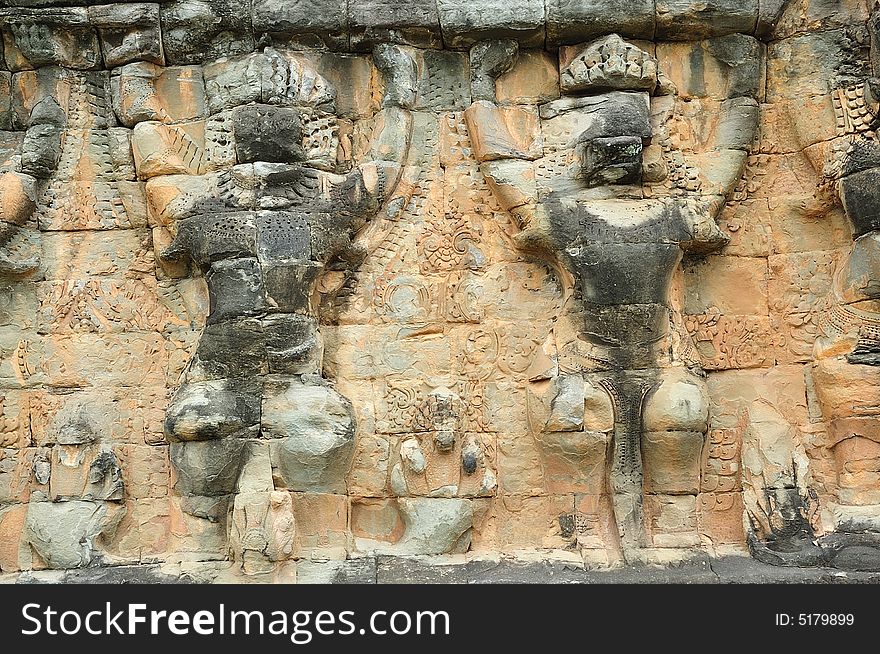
{"x": 392, "y": 131}
{"x": 17, "y": 203}
{"x": 505, "y": 160}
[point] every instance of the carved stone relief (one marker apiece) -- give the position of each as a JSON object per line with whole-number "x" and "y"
{"x": 290, "y": 281}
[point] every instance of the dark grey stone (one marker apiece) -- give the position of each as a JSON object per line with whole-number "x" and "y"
{"x": 611, "y": 160}
{"x": 7, "y": 116}
{"x": 292, "y": 345}
{"x": 613, "y": 273}
{"x": 122, "y": 574}
{"x": 399, "y": 74}
{"x": 196, "y": 31}
{"x": 860, "y": 193}
{"x": 619, "y": 114}
{"x": 289, "y": 186}
{"x": 488, "y": 61}
{"x": 745, "y": 570}
{"x": 231, "y": 349}
{"x": 207, "y": 468}
{"x": 874, "y": 35}
{"x": 769, "y": 12}
{"x": 861, "y": 155}
{"x": 41, "y": 149}
{"x": 212, "y": 235}
{"x": 356, "y": 571}
{"x": 128, "y": 32}
{"x": 622, "y": 325}
{"x": 691, "y": 19}
{"x": 267, "y": 133}
{"x": 744, "y": 56}
{"x": 235, "y": 288}
{"x": 465, "y": 22}
{"x": 866, "y": 352}
{"x": 288, "y": 285}
{"x": 350, "y": 571}
{"x": 405, "y": 570}
{"x": 306, "y": 23}
{"x": 513, "y": 572}
{"x": 207, "y": 410}
{"x": 861, "y": 276}
{"x": 858, "y": 558}
{"x": 575, "y": 21}
{"x": 283, "y": 236}
{"x": 409, "y": 22}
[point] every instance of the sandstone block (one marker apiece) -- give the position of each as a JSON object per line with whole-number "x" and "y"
{"x": 534, "y": 79}
{"x": 679, "y": 403}
{"x": 63, "y": 37}
{"x": 672, "y": 461}
{"x": 309, "y": 23}
{"x": 711, "y": 284}
{"x": 168, "y": 149}
{"x": 207, "y": 468}
{"x": 393, "y": 21}
{"x": 321, "y": 525}
{"x": 430, "y": 526}
{"x": 143, "y": 91}
{"x": 529, "y": 523}
{"x": 209, "y": 410}
{"x": 69, "y": 534}
{"x": 311, "y": 428}
{"x": 720, "y": 517}
{"x": 464, "y": 23}
{"x": 678, "y": 19}
{"x": 193, "y": 32}
{"x": 12, "y": 521}
{"x": 570, "y": 21}
{"x": 128, "y": 32}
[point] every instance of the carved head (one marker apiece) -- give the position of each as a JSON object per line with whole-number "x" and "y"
{"x": 610, "y": 81}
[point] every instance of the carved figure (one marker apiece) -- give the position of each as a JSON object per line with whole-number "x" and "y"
{"x": 611, "y": 211}
{"x": 262, "y": 235}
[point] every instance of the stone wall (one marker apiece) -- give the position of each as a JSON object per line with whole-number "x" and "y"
{"x": 292, "y": 281}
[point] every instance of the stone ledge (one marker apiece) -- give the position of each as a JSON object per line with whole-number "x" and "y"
{"x": 437, "y": 570}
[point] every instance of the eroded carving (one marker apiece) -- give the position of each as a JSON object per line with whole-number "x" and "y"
{"x": 619, "y": 249}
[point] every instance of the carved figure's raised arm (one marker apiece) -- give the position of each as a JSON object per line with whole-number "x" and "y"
{"x": 496, "y": 132}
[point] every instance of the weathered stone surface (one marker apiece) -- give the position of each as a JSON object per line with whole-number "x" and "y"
{"x": 312, "y": 431}
{"x": 748, "y": 295}
{"x": 430, "y": 526}
{"x": 570, "y": 21}
{"x": 128, "y": 32}
{"x": 265, "y": 133}
{"x": 144, "y": 91}
{"x": 168, "y": 149}
{"x": 860, "y": 201}
{"x": 209, "y": 410}
{"x": 684, "y": 19}
{"x": 389, "y": 21}
{"x": 194, "y": 32}
{"x": 283, "y": 283}
{"x": 606, "y": 64}
{"x": 464, "y": 23}
{"x": 34, "y": 38}
{"x": 532, "y": 79}
{"x": 67, "y": 534}
{"x": 207, "y": 468}
{"x": 311, "y": 23}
